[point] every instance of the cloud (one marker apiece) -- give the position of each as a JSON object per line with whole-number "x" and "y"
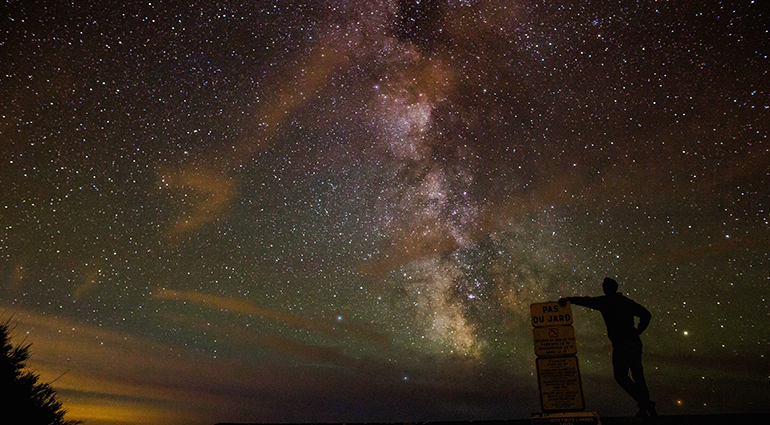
{"x": 410, "y": 246}
{"x": 106, "y": 376}
{"x": 96, "y": 412}
{"x": 330, "y": 327}
{"x": 280, "y": 348}
{"x": 206, "y": 192}
{"x": 294, "y": 89}
{"x": 117, "y": 377}
{"x": 699, "y": 252}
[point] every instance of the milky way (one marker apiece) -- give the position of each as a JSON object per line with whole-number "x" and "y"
{"x": 341, "y": 211}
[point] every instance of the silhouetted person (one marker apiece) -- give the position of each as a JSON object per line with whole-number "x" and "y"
{"x": 619, "y": 313}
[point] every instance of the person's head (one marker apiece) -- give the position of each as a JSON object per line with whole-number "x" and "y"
{"x": 610, "y": 286}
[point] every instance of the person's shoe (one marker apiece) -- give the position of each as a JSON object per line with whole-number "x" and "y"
{"x": 651, "y": 409}
{"x": 647, "y": 410}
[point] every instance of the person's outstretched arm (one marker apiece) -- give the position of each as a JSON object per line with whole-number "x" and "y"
{"x": 590, "y": 302}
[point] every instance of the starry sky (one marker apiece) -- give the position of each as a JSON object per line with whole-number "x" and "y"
{"x": 340, "y": 211}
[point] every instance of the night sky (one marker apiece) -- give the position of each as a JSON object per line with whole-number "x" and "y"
{"x": 340, "y": 211}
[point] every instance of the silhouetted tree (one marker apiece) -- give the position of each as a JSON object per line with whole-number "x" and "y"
{"x": 24, "y": 400}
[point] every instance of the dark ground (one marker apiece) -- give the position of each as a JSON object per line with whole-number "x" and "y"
{"x": 726, "y": 419}
{"x": 743, "y": 419}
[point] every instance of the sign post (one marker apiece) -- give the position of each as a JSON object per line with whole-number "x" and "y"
{"x": 558, "y": 374}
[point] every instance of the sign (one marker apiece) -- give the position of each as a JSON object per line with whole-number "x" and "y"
{"x": 555, "y": 341}
{"x": 550, "y": 314}
{"x": 559, "y": 381}
{"x": 571, "y": 418}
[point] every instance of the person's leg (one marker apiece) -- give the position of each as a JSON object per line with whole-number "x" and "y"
{"x": 637, "y": 372}
{"x": 620, "y": 366}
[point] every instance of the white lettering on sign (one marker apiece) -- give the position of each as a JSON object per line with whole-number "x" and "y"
{"x": 559, "y": 380}
{"x": 555, "y": 341}
{"x": 566, "y": 418}
{"x": 550, "y": 314}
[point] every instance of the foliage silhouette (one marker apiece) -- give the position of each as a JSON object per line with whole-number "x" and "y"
{"x": 24, "y": 400}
